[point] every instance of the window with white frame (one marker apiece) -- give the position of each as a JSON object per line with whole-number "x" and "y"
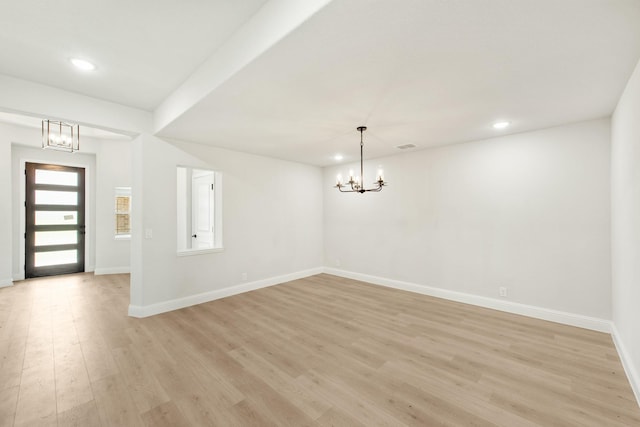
{"x": 123, "y": 212}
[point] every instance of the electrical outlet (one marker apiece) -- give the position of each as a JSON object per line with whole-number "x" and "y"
{"x": 243, "y": 276}
{"x": 503, "y": 291}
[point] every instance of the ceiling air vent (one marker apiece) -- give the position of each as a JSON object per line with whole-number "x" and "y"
{"x": 405, "y": 146}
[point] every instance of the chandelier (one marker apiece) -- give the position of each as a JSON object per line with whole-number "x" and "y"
{"x": 356, "y": 184}
{"x": 60, "y": 136}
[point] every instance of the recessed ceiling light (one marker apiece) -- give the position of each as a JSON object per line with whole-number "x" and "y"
{"x": 338, "y": 157}
{"x": 83, "y": 65}
{"x": 501, "y": 125}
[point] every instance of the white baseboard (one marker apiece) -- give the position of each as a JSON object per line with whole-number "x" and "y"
{"x": 112, "y": 270}
{"x": 18, "y": 277}
{"x": 178, "y": 303}
{"x": 6, "y": 282}
{"x": 627, "y": 363}
{"x": 557, "y": 316}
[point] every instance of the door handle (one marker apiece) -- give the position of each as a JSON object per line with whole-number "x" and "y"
{"x": 194, "y": 235}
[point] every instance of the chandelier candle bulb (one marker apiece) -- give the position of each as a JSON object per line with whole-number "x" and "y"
{"x": 339, "y": 179}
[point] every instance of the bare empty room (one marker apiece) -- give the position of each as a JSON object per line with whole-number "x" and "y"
{"x": 320, "y": 213}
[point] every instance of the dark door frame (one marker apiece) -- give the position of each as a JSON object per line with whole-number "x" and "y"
{"x": 30, "y": 227}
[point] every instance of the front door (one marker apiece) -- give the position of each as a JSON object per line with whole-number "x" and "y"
{"x": 55, "y": 227}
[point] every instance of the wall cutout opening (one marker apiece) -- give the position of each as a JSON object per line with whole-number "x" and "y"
{"x": 199, "y": 210}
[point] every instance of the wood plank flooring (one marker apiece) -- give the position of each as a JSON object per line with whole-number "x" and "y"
{"x": 321, "y": 351}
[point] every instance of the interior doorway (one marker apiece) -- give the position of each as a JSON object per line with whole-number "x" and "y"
{"x": 55, "y": 220}
{"x": 202, "y": 187}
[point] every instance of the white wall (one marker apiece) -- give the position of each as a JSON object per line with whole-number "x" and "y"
{"x": 272, "y": 223}
{"x": 625, "y": 218}
{"x": 22, "y": 144}
{"x": 529, "y": 212}
{"x": 113, "y": 160}
{"x": 183, "y": 210}
{"x": 6, "y": 261}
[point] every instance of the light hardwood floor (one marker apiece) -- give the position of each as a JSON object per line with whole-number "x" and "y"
{"x": 317, "y": 351}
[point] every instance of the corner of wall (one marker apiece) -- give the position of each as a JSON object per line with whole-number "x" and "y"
{"x": 627, "y": 362}
{"x": 565, "y": 318}
{"x": 625, "y": 225}
{"x": 187, "y": 301}
{"x": 137, "y": 210}
{"x": 136, "y": 311}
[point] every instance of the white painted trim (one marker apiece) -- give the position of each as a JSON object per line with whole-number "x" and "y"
{"x": 178, "y": 303}
{"x": 627, "y": 363}
{"x": 18, "y": 277}
{"x": 5, "y": 282}
{"x": 593, "y": 323}
{"x": 137, "y": 311}
{"x": 112, "y": 270}
{"x": 191, "y": 252}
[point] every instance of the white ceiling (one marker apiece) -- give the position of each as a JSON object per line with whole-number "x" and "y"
{"x": 426, "y": 72}
{"x": 143, "y": 48}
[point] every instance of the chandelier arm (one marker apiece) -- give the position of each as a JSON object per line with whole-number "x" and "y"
{"x": 340, "y": 188}
{"x": 346, "y": 191}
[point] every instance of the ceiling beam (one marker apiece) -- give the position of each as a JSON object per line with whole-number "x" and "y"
{"x": 271, "y": 23}
{"x": 46, "y": 102}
